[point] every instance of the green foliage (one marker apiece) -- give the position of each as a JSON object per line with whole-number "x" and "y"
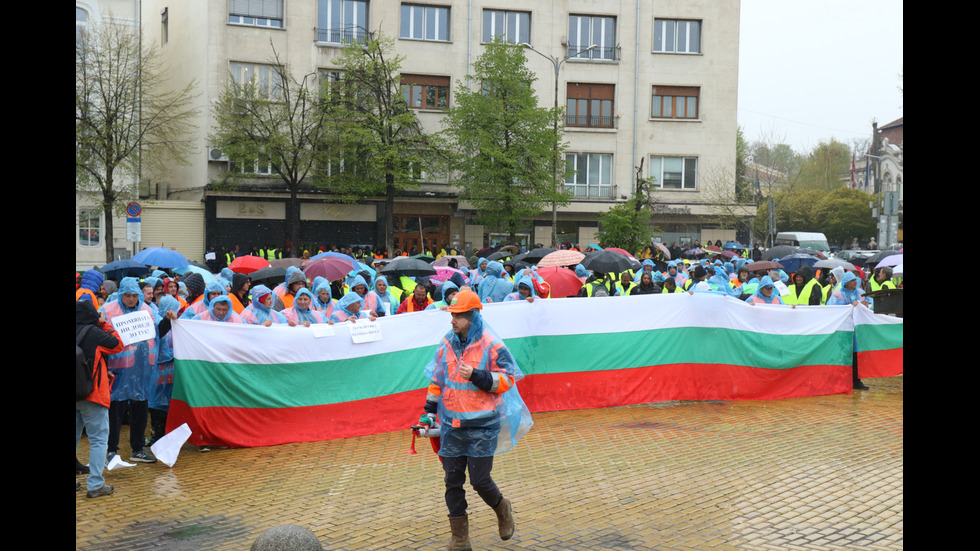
{"x": 507, "y": 149}
{"x": 841, "y": 214}
{"x": 845, "y": 214}
{"x": 823, "y": 168}
{"x": 625, "y": 226}
{"x": 284, "y": 125}
{"x": 379, "y": 141}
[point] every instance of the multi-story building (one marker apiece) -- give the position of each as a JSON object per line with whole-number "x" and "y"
{"x": 655, "y": 97}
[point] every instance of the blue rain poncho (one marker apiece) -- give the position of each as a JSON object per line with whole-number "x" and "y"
{"x": 525, "y": 281}
{"x": 257, "y": 313}
{"x": 376, "y": 300}
{"x": 721, "y": 283}
{"x": 133, "y": 367}
{"x": 162, "y": 380}
{"x": 447, "y": 287}
{"x": 756, "y": 297}
{"x": 492, "y": 431}
{"x": 340, "y": 312}
{"x": 494, "y": 287}
{"x": 844, "y": 296}
{"x": 299, "y": 315}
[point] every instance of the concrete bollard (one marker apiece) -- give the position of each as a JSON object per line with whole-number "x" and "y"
{"x": 287, "y": 537}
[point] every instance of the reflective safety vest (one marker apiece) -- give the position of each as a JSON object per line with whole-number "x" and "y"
{"x": 465, "y": 404}
{"x": 804, "y": 296}
{"x": 875, "y": 286}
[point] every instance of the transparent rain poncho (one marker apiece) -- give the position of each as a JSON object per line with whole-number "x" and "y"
{"x": 482, "y": 433}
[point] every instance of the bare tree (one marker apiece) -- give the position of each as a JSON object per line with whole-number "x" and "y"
{"x": 280, "y": 123}
{"x": 127, "y": 119}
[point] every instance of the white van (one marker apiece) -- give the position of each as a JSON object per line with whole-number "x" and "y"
{"x": 804, "y": 240}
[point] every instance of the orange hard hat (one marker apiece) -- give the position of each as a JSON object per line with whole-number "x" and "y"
{"x": 464, "y": 301}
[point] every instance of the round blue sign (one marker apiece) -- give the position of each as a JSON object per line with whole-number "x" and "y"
{"x": 133, "y": 209}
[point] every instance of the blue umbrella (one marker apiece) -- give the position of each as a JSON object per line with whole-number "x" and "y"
{"x": 161, "y": 257}
{"x": 733, "y": 245}
{"x": 791, "y": 263}
{"x": 192, "y": 269}
{"x": 118, "y": 269}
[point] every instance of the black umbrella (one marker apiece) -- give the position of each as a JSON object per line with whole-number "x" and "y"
{"x": 874, "y": 259}
{"x": 537, "y": 254}
{"x": 607, "y": 262}
{"x": 118, "y": 269}
{"x": 500, "y": 255}
{"x": 780, "y": 251}
{"x": 268, "y": 274}
{"x": 406, "y": 266}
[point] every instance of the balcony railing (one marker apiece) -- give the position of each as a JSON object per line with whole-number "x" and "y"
{"x": 342, "y": 35}
{"x": 600, "y": 53}
{"x": 605, "y": 121}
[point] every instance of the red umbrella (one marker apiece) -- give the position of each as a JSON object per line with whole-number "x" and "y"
{"x": 564, "y": 282}
{"x": 331, "y": 268}
{"x": 248, "y": 264}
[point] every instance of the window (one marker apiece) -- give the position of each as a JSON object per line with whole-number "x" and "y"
{"x": 425, "y": 92}
{"x": 586, "y": 30}
{"x": 674, "y": 172}
{"x": 675, "y": 102}
{"x": 676, "y": 36}
{"x": 512, "y": 26}
{"x": 425, "y": 22}
{"x": 89, "y": 228}
{"x": 262, "y": 166}
{"x": 265, "y": 79}
{"x": 258, "y": 13}
{"x": 81, "y": 23}
{"x": 590, "y": 105}
{"x": 164, "y": 26}
{"x": 592, "y": 175}
{"x": 342, "y": 21}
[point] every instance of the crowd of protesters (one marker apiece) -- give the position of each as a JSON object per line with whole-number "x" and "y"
{"x": 141, "y": 375}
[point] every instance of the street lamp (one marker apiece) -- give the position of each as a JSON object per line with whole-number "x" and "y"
{"x": 554, "y": 161}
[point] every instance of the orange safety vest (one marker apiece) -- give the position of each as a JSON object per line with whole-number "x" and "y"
{"x": 460, "y": 398}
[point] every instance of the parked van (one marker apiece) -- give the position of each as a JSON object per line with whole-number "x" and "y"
{"x": 804, "y": 240}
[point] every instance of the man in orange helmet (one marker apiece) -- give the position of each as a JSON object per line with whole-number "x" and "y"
{"x": 473, "y": 389}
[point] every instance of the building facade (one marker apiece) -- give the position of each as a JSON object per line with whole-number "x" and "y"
{"x": 650, "y": 90}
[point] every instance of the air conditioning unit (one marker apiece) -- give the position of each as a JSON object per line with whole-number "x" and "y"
{"x": 215, "y": 154}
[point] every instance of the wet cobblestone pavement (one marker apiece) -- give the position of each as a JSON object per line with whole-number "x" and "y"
{"x": 819, "y": 473}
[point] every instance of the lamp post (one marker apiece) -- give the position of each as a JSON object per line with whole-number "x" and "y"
{"x": 554, "y": 161}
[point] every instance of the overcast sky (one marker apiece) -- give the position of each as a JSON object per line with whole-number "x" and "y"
{"x": 812, "y": 71}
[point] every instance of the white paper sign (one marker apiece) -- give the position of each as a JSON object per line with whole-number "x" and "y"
{"x": 135, "y": 327}
{"x": 364, "y": 331}
{"x": 322, "y": 330}
{"x": 781, "y": 287}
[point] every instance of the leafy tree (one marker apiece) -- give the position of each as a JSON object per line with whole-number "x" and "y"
{"x": 380, "y": 147}
{"x": 506, "y": 145}
{"x": 845, "y": 214}
{"x": 127, "y": 118}
{"x": 823, "y": 168}
{"x": 279, "y": 124}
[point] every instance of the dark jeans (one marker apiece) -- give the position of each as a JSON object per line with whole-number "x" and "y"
{"x": 137, "y": 423}
{"x": 479, "y": 468}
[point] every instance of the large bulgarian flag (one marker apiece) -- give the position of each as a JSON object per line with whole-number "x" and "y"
{"x": 244, "y": 385}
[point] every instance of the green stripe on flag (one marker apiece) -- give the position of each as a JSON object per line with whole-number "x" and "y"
{"x": 208, "y": 384}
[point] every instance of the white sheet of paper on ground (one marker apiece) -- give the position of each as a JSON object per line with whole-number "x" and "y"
{"x": 167, "y": 448}
{"x": 117, "y": 462}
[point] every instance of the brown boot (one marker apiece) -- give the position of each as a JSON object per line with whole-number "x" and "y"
{"x": 505, "y": 519}
{"x": 460, "y": 527}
